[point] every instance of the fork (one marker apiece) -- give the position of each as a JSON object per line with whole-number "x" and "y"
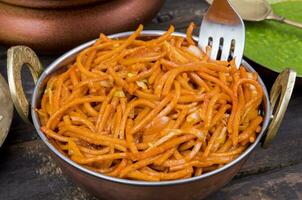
{"x": 222, "y": 29}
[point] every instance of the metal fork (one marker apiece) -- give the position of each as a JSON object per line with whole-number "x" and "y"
{"x": 223, "y": 30}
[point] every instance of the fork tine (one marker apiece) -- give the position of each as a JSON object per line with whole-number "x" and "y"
{"x": 238, "y": 51}
{"x": 222, "y": 22}
{"x": 215, "y": 48}
{"x": 203, "y": 41}
{"x": 225, "y": 53}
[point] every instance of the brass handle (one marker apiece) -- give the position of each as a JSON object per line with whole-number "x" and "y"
{"x": 17, "y": 56}
{"x": 282, "y": 90}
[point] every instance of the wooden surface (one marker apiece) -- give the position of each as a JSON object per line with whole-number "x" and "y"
{"x": 28, "y": 172}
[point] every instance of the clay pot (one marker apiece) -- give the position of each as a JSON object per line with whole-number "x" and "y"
{"x": 49, "y": 3}
{"x": 61, "y": 28}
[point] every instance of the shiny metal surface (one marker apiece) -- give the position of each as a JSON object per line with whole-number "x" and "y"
{"x": 115, "y": 188}
{"x": 222, "y": 28}
{"x": 282, "y": 90}
{"x": 17, "y": 56}
{"x": 6, "y": 109}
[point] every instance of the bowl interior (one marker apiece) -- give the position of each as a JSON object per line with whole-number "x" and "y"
{"x": 66, "y": 58}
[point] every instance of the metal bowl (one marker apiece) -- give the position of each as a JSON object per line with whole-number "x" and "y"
{"x": 115, "y": 188}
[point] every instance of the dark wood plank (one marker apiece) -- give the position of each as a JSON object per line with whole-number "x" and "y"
{"x": 180, "y": 14}
{"x": 28, "y": 172}
{"x": 284, "y": 184}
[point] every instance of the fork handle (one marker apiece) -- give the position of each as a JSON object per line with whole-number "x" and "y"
{"x": 284, "y": 20}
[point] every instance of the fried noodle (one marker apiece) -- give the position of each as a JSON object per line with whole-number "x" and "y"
{"x": 153, "y": 110}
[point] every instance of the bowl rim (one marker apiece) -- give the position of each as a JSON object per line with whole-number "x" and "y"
{"x": 61, "y": 61}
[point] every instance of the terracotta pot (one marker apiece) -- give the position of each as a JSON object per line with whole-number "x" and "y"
{"x": 56, "y": 30}
{"x": 49, "y": 3}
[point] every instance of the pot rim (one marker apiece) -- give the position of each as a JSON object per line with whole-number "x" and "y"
{"x": 68, "y": 56}
{"x": 49, "y": 4}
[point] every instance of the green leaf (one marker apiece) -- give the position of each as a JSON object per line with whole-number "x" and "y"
{"x": 276, "y": 45}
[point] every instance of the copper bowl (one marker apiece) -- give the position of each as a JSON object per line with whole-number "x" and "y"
{"x": 107, "y": 187}
{"x": 53, "y": 26}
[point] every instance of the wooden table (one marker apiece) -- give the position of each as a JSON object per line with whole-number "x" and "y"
{"x": 28, "y": 172}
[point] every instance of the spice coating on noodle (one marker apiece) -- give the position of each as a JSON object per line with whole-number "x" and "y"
{"x": 151, "y": 110}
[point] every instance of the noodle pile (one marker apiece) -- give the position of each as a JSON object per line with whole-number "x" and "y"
{"x": 151, "y": 110}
